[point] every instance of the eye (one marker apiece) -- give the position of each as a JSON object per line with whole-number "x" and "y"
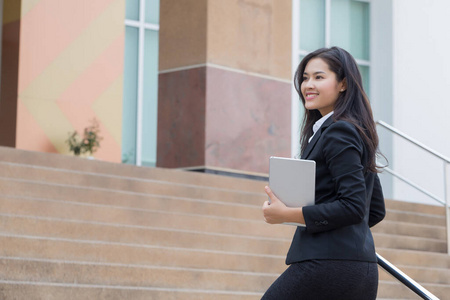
{"x": 319, "y": 77}
{"x": 304, "y": 78}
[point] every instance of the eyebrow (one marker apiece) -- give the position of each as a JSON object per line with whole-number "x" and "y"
{"x": 315, "y": 73}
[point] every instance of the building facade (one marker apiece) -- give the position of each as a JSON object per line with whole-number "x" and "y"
{"x": 208, "y": 83}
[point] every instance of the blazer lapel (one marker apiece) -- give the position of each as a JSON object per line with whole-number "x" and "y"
{"x": 316, "y": 137}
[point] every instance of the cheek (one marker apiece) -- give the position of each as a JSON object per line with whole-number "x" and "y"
{"x": 331, "y": 89}
{"x": 302, "y": 89}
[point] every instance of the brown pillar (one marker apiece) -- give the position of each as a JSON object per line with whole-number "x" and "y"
{"x": 9, "y": 72}
{"x": 224, "y": 83}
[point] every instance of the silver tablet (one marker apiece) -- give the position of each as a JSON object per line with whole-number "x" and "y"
{"x": 293, "y": 180}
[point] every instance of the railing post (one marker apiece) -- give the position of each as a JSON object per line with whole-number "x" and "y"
{"x": 447, "y": 202}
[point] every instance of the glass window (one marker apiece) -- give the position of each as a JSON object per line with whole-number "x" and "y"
{"x": 132, "y": 10}
{"x": 349, "y": 26}
{"x": 312, "y": 24}
{"x": 130, "y": 88}
{"x": 365, "y": 78}
{"x": 150, "y": 105}
{"x": 140, "y": 83}
{"x": 152, "y": 11}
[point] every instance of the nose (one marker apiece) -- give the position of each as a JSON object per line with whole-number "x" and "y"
{"x": 307, "y": 83}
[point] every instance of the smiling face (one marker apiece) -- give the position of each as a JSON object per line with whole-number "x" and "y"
{"x": 319, "y": 87}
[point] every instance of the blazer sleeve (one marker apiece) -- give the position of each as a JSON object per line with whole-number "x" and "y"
{"x": 342, "y": 152}
{"x": 377, "y": 206}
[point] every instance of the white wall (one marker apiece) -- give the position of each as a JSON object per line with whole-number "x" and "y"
{"x": 421, "y": 91}
{"x": 381, "y": 77}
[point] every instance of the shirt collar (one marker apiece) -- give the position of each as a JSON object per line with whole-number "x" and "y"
{"x": 319, "y": 123}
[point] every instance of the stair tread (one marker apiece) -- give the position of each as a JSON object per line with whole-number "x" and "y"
{"x": 23, "y": 290}
{"x": 58, "y": 161}
{"x": 115, "y": 274}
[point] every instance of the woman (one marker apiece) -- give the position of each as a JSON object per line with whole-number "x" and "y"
{"x": 333, "y": 256}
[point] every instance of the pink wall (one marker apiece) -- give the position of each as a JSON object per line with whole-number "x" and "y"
{"x": 70, "y": 71}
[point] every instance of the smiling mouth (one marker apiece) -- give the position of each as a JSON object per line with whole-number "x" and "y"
{"x": 310, "y": 96}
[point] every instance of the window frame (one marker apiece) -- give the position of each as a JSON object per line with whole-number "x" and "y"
{"x": 141, "y": 25}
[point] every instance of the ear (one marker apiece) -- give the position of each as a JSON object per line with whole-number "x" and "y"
{"x": 343, "y": 85}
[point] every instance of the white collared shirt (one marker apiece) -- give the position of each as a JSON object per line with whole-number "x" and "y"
{"x": 319, "y": 123}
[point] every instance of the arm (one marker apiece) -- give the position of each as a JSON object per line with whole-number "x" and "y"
{"x": 342, "y": 152}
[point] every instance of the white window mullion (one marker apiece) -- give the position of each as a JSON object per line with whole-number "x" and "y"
{"x": 327, "y": 23}
{"x": 140, "y": 100}
{"x": 138, "y": 24}
{"x": 303, "y": 52}
{"x": 362, "y": 62}
{"x": 154, "y": 27}
{"x": 132, "y": 23}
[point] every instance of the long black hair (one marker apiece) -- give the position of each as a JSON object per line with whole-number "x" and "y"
{"x": 352, "y": 105}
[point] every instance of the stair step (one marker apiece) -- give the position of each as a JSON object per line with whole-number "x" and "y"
{"x": 415, "y": 258}
{"x": 420, "y": 274}
{"x": 100, "y": 274}
{"x": 93, "y": 230}
{"x": 62, "y": 271}
{"x": 42, "y": 247}
{"x": 415, "y": 207}
{"x": 167, "y": 237}
{"x": 396, "y": 290}
{"x": 415, "y": 218}
{"x": 64, "y": 162}
{"x": 411, "y": 229}
{"x": 103, "y": 181}
{"x": 42, "y": 290}
{"x": 129, "y": 216}
{"x": 408, "y": 242}
{"x": 130, "y": 199}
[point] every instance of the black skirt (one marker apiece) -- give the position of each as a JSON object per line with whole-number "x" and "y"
{"x": 326, "y": 279}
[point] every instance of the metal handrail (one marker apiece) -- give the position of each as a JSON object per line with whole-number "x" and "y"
{"x": 405, "y": 279}
{"x": 414, "y": 185}
{"x": 446, "y": 165}
{"x": 414, "y": 141}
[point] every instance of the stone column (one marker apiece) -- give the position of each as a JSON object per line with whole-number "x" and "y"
{"x": 224, "y": 83}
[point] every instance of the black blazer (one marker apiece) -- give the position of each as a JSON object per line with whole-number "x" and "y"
{"x": 348, "y": 200}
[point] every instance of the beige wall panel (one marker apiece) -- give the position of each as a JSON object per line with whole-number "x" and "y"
{"x": 182, "y": 35}
{"x": 251, "y": 35}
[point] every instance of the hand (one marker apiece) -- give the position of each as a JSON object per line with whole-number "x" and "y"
{"x": 276, "y": 211}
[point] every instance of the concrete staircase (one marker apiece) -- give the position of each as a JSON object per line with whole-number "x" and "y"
{"x": 72, "y": 228}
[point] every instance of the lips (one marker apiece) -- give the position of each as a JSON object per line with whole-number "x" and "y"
{"x": 310, "y": 96}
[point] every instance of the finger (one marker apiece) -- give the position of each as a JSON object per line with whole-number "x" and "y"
{"x": 270, "y": 194}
